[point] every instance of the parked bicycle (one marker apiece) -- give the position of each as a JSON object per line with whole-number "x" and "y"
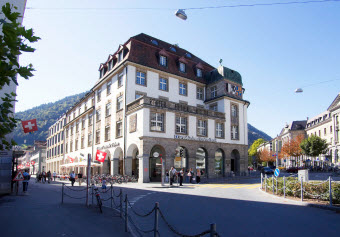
{"x": 99, "y": 201}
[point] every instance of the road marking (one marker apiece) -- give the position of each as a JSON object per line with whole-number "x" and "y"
{"x": 243, "y": 186}
{"x": 236, "y": 186}
{"x": 255, "y": 186}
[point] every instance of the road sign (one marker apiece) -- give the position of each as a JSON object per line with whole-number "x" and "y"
{"x": 19, "y": 176}
{"x": 277, "y": 172}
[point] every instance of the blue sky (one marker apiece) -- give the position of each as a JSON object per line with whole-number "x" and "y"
{"x": 275, "y": 48}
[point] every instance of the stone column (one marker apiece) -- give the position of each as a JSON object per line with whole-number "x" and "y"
{"x": 128, "y": 165}
{"x": 144, "y": 169}
{"x": 114, "y": 165}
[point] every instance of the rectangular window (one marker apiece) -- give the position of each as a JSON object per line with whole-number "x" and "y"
{"x": 119, "y": 103}
{"x": 77, "y": 127}
{"x": 163, "y": 84}
{"x": 79, "y": 112}
{"x": 71, "y": 146}
{"x": 199, "y": 93}
{"x": 119, "y": 129}
{"x": 108, "y": 109}
{"x": 89, "y": 139}
{"x": 74, "y": 116}
{"x": 331, "y": 129}
{"x": 67, "y": 132}
{"x": 220, "y": 130}
{"x": 76, "y": 145}
{"x": 213, "y": 92}
{"x": 199, "y": 72}
{"x": 181, "y": 125}
{"x": 90, "y": 120}
{"x": 202, "y": 127}
{"x": 82, "y": 142}
{"x": 71, "y": 130}
{"x": 234, "y": 132}
{"x": 108, "y": 88}
{"x": 62, "y": 135}
{"x": 97, "y": 136}
{"x": 140, "y": 78}
{"x": 163, "y": 61}
{"x": 120, "y": 56}
{"x": 99, "y": 95}
{"x": 83, "y": 123}
{"x": 138, "y": 95}
{"x": 182, "y": 67}
{"x": 319, "y": 133}
{"x": 85, "y": 106}
{"x": 157, "y": 122}
{"x": 66, "y": 148}
{"x": 213, "y": 107}
{"x": 233, "y": 110}
{"x": 182, "y": 89}
{"x": 120, "y": 80}
{"x": 61, "y": 149}
{"x": 325, "y": 132}
{"x": 107, "y": 133}
{"x": 98, "y": 115}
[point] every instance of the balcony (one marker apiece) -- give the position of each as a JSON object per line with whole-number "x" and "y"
{"x": 150, "y": 102}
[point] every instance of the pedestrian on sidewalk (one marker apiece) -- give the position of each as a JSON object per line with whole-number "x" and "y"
{"x": 181, "y": 173}
{"x": 166, "y": 176}
{"x": 191, "y": 175}
{"x": 54, "y": 175}
{"x": 49, "y": 176}
{"x": 43, "y": 176}
{"x": 104, "y": 184}
{"x": 172, "y": 174}
{"x": 72, "y": 177}
{"x": 80, "y": 178}
{"x": 198, "y": 176}
{"x": 25, "y": 181}
{"x": 188, "y": 176}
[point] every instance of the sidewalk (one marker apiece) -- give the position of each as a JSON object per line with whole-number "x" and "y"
{"x": 40, "y": 213}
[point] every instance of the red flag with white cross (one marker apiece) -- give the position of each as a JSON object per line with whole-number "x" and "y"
{"x": 71, "y": 159}
{"x": 29, "y": 125}
{"x": 100, "y": 156}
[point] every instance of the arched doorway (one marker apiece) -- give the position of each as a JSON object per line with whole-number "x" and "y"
{"x": 132, "y": 162}
{"x": 181, "y": 158}
{"x": 201, "y": 160}
{"x": 235, "y": 161}
{"x": 155, "y": 166}
{"x": 120, "y": 164}
{"x": 219, "y": 162}
{"x": 106, "y": 169}
{"x": 135, "y": 163}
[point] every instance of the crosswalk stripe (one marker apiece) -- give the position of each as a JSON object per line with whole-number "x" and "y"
{"x": 255, "y": 186}
{"x": 243, "y": 186}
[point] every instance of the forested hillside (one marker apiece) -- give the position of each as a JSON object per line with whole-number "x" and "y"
{"x": 47, "y": 114}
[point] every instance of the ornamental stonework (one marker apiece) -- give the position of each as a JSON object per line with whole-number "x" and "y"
{"x": 133, "y": 123}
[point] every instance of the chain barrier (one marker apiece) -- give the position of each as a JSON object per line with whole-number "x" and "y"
{"x": 138, "y": 229}
{"x": 106, "y": 190}
{"x": 104, "y": 200}
{"x": 140, "y": 215}
{"x": 176, "y": 232}
{"x": 318, "y": 183}
{"x": 73, "y": 197}
{"x": 116, "y": 195}
{"x": 76, "y": 190}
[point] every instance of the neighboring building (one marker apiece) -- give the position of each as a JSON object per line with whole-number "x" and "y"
{"x": 334, "y": 146}
{"x": 7, "y": 156}
{"x": 38, "y": 157}
{"x": 154, "y": 100}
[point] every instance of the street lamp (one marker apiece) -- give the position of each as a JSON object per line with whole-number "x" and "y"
{"x": 180, "y": 13}
{"x": 298, "y": 90}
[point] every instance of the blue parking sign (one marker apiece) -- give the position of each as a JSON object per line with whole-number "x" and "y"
{"x": 277, "y": 172}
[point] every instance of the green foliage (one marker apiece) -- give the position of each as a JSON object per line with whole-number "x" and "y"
{"x": 253, "y": 148}
{"x": 12, "y": 43}
{"x": 46, "y": 115}
{"x": 314, "y": 146}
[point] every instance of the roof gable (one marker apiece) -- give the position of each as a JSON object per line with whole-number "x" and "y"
{"x": 335, "y": 104}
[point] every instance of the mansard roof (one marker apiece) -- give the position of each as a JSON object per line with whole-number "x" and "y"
{"x": 335, "y": 104}
{"x": 224, "y": 73}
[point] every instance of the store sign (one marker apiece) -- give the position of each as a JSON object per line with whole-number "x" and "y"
{"x": 201, "y": 139}
{"x": 114, "y": 144}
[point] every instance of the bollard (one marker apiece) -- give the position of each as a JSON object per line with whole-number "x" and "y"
{"x": 62, "y": 193}
{"x": 213, "y": 230}
{"x": 121, "y": 203}
{"x": 273, "y": 184}
{"x": 276, "y": 185}
{"x": 261, "y": 181}
{"x": 111, "y": 196}
{"x": 92, "y": 193}
{"x": 330, "y": 191}
{"x": 265, "y": 182}
{"x": 301, "y": 190}
{"x": 284, "y": 186}
{"x": 155, "y": 232}
{"x": 126, "y": 213}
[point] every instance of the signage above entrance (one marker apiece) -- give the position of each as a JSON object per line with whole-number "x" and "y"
{"x": 155, "y": 154}
{"x": 114, "y": 144}
{"x": 202, "y": 139}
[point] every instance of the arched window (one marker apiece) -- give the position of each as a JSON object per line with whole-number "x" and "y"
{"x": 200, "y": 159}
{"x": 219, "y": 162}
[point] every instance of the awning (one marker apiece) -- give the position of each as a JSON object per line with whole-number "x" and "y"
{"x": 80, "y": 164}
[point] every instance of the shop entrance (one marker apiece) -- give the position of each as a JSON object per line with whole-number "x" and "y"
{"x": 155, "y": 165}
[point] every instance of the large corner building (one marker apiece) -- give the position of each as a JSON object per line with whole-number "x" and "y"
{"x": 155, "y": 100}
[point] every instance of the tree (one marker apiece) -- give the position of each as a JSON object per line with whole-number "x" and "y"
{"x": 266, "y": 156}
{"x": 252, "y": 151}
{"x": 314, "y": 146}
{"x": 292, "y": 147}
{"x": 12, "y": 44}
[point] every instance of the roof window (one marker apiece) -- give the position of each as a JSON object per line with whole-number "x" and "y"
{"x": 188, "y": 55}
{"x": 155, "y": 42}
{"x": 173, "y": 49}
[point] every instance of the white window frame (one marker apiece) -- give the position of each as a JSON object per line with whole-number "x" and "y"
{"x": 199, "y": 72}
{"x": 107, "y": 133}
{"x": 108, "y": 88}
{"x": 213, "y": 92}
{"x": 119, "y": 129}
{"x": 181, "y": 125}
{"x": 119, "y": 102}
{"x": 234, "y": 132}
{"x": 108, "y": 109}
{"x": 183, "y": 89}
{"x": 98, "y": 115}
{"x": 157, "y": 122}
{"x": 199, "y": 93}
{"x": 202, "y": 127}
{"x": 99, "y": 95}
{"x": 219, "y": 130}
{"x": 120, "y": 80}
{"x": 233, "y": 110}
{"x": 163, "y": 60}
{"x": 182, "y": 67}
{"x": 141, "y": 78}
{"x": 163, "y": 82}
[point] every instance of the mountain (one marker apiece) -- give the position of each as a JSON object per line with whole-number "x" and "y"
{"x": 47, "y": 114}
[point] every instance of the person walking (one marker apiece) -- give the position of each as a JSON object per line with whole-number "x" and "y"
{"x": 171, "y": 175}
{"x": 181, "y": 173}
{"x": 166, "y": 176}
{"x": 43, "y": 176}
{"x": 25, "y": 181}
{"x": 49, "y": 176}
{"x": 54, "y": 175}
{"x": 198, "y": 176}
{"x": 191, "y": 175}
{"x": 72, "y": 177}
{"x": 80, "y": 178}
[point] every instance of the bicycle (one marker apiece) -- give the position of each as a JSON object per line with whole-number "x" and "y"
{"x": 99, "y": 201}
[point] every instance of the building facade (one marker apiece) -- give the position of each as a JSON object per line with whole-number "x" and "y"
{"x": 154, "y": 101}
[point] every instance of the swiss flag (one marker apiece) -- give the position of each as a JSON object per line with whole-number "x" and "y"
{"x": 71, "y": 159}
{"x": 32, "y": 162}
{"x": 100, "y": 156}
{"x": 29, "y": 125}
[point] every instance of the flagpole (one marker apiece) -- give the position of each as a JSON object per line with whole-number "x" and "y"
{"x": 88, "y": 176}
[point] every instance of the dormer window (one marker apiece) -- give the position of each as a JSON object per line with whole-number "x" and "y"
{"x": 213, "y": 92}
{"x": 188, "y": 55}
{"x": 173, "y": 49}
{"x": 120, "y": 56}
{"x": 101, "y": 73}
{"x": 163, "y": 60}
{"x": 154, "y": 42}
{"x": 182, "y": 67}
{"x": 199, "y": 72}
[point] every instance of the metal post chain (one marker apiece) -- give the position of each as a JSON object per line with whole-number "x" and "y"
{"x": 265, "y": 183}
{"x": 213, "y": 230}
{"x": 121, "y": 203}
{"x": 284, "y": 186}
{"x": 62, "y": 194}
{"x": 126, "y": 213}
{"x": 330, "y": 191}
{"x": 301, "y": 190}
{"x": 111, "y": 196}
{"x": 273, "y": 184}
{"x": 156, "y": 219}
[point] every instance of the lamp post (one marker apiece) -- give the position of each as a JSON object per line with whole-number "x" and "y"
{"x": 180, "y": 13}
